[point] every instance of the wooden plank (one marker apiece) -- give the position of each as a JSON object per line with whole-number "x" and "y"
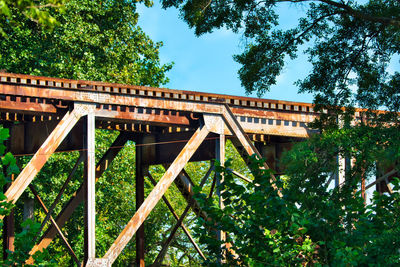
{"x": 42, "y": 155}
{"x": 78, "y": 197}
{"x": 156, "y": 194}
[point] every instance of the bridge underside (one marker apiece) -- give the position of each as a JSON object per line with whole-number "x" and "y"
{"x": 47, "y": 115}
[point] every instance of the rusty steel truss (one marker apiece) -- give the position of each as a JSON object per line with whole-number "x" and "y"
{"x": 46, "y": 115}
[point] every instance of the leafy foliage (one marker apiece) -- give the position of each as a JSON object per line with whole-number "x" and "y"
{"x": 90, "y": 40}
{"x": 95, "y": 40}
{"x": 350, "y": 45}
{"x": 313, "y": 223}
{"x": 23, "y": 240}
{"x": 36, "y": 11}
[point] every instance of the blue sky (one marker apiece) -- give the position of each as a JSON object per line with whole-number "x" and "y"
{"x": 205, "y": 63}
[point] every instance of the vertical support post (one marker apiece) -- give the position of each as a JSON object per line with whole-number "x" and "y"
{"x": 90, "y": 179}
{"x": 8, "y": 221}
{"x": 341, "y": 172}
{"x": 8, "y": 231}
{"x": 220, "y": 156}
{"x": 363, "y": 194}
{"x": 139, "y": 201}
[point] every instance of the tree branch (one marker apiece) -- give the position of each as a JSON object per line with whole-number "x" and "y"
{"x": 357, "y": 14}
{"x": 352, "y": 12}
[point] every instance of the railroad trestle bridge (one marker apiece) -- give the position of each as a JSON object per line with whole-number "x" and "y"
{"x": 46, "y": 115}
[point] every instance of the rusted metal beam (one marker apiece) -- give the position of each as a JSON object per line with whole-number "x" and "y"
{"x": 29, "y": 107}
{"x": 241, "y": 176}
{"x": 164, "y": 248}
{"x": 139, "y": 177}
{"x": 382, "y": 178}
{"x": 257, "y": 116}
{"x": 8, "y": 231}
{"x": 78, "y": 197}
{"x": 63, "y": 238}
{"x": 150, "y": 115}
{"x": 156, "y": 194}
{"x": 27, "y": 137}
{"x": 162, "y": 253}
{"x": 185, "y": 230}
{"x": 90, "y": 192}
{"x": 59, "y": 195}
{"x": 220, "y": 156}
{"x": 237, "y": 130}
{"x": 43, "y": 154}
{"x": 112, "y": 88}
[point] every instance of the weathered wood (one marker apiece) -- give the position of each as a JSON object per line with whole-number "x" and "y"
{"x": 78, "y": 197}
{"x": 90, "y": 196}
{"x": 156, "y": 194}
{"x": 43, "y": 154}
{"x": 185, "y": 230}
{"x": 63, "y": 238}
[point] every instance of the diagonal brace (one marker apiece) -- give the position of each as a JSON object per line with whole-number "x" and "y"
{"x": 43, "y": 154}
{"x": 63, "y": 238}
{"x": 156, "y": 194}
{"x": 78, "y": 197}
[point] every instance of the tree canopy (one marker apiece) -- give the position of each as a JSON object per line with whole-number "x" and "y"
{"x": 93, "y": 41}
{"x": 34, "y": 10}
{"x": 349, "y": 43}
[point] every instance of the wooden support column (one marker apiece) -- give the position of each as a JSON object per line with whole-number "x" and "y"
{"x": 156, "y": 194}
{"x": 89, "y": 180}
{"x": 139, "y": 201}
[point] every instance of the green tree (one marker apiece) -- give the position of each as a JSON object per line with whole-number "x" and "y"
{"x": 36, "y": 11}
{"x": 92, "y": 40}
{"x": 310, "y": 224}
{"x": 350, "y": 45}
